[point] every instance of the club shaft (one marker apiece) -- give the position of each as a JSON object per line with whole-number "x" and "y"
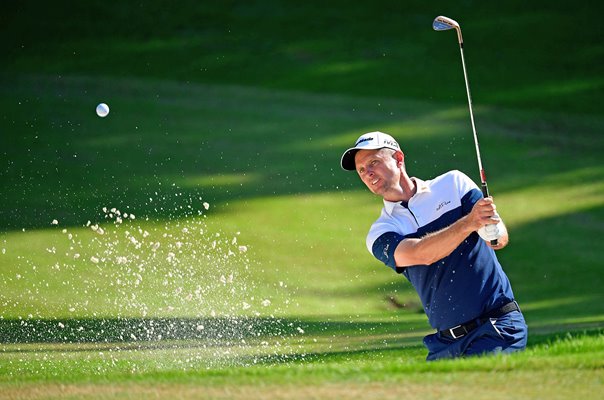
{"x": 483, "y": 178}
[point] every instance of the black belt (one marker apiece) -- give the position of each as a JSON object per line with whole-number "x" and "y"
{"x": 462, "y": 330}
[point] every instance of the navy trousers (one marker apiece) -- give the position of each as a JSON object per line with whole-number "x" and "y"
{"x": 506, "y": 334}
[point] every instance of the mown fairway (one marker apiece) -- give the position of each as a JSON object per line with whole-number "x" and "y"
{"x": 240, "y": 269}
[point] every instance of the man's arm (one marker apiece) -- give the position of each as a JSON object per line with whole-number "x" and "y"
{"x": 437, "y": 245}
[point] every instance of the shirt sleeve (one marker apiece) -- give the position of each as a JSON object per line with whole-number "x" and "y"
{"x": 384, "y": 247}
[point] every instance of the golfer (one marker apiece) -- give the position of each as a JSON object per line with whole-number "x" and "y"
{"x": 438, "y": 234}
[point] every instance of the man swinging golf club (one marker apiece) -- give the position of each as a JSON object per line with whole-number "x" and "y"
{"x": 441, "y": 235}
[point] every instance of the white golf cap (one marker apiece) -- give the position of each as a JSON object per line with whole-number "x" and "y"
{"x": 368, "y": 141}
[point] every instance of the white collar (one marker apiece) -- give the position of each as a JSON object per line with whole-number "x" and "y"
{"x": 422, "y": 187}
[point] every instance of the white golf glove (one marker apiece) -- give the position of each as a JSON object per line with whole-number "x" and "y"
{"x": 492, "y": 231}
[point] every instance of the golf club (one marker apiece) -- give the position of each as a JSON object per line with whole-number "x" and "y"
{"x": 442, "y": 23}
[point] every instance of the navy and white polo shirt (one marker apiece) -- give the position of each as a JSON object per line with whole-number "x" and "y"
{"x": 465, "y": 284}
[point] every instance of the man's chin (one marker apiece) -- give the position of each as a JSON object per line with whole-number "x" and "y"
{"x": 377, "y": 191}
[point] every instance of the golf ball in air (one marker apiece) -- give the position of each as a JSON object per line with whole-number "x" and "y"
{"x": 102, "y": 110}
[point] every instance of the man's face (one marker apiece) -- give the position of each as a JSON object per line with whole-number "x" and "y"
{"x": 380, "y": 170}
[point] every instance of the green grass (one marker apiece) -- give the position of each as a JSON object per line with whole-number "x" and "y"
{"x": 247, "y": 106}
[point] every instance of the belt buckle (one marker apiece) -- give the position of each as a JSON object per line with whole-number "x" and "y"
{"x": 454, "y": 336}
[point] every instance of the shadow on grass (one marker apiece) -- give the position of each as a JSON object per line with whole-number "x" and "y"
{"x": 213, "y": 330}
{"x": 190, "y": 141}
{"x": 221, "y": 340}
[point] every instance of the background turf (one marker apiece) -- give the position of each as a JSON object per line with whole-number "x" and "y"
{"x": 247, "y": 106}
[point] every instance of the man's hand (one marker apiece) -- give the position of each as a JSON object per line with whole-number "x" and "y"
{"x": 492, "y": 227}
{"x": 491, "y": 232}
{"x": 483, "y": 213}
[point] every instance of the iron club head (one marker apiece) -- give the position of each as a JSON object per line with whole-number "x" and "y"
{"x": 442, "y": 23}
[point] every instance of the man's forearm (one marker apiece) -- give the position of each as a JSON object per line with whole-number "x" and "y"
{"x": 433, "y": 246}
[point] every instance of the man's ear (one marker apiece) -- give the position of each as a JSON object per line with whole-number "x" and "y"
{"x": 399, "y": 156}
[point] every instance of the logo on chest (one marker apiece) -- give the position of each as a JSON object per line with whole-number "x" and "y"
{"x": 442, "y": 205}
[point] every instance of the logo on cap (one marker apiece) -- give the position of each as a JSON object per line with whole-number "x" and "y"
{"x": 391, "y": 143}
{"x": 365, "y": 139}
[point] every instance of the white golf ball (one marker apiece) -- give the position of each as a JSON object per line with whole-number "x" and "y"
{"x": 102, "y": 110}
